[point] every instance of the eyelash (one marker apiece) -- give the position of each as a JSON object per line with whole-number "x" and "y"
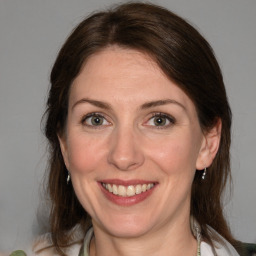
{"x": 171, "y": 120}
{"x": 86, "y": 117}
{"x": 154, "y": 115}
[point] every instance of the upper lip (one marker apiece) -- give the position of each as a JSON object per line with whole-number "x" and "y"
{"x": 126, "y": 182}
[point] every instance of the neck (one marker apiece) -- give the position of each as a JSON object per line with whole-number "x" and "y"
{"x": 175, "y": 240}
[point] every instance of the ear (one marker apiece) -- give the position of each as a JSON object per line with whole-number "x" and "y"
{"x": 209, "y": 146}
{"x": 63, "y": 146}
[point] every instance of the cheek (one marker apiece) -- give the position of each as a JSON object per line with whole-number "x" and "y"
{"x": 175, "y": 155}
{"x": 172, "y": 158}
{"x": 84, "y": 154}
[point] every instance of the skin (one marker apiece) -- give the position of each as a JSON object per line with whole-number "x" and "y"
{"x": 129, "y": 145}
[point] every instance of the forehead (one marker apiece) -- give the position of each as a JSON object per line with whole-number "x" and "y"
{"x": 124, "y": 75}
{"x": 115, "y": 62}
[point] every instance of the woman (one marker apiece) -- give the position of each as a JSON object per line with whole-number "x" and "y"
{"x": 139, "y": 128}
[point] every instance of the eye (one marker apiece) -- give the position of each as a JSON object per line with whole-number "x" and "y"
{"x": 160, "y": 120}
{"x": 95, "y": 119}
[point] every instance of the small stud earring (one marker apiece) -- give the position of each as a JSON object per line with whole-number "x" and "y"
{"x": 68, "y": 178}
{"x": 204, "y": 174}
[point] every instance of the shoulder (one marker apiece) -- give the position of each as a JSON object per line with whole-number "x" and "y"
{"x": 43, "y": 242}
{"x": 43, "y": 246}
{"x": 220, "y": 250}
{"x": 223, "y": 247}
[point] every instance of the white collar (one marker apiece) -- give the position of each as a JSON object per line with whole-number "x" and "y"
{"x": 222, "y": 249}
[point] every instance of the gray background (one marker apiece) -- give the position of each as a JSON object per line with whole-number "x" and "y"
{"x": 31, "y": 33}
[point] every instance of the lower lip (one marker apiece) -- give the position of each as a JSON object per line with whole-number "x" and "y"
{"x": 126, "y": 201}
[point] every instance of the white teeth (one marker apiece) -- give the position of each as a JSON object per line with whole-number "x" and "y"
{"x": 144, "y": 187}
{"x": 130, "y": 191}
{"x": 127, "y": 191}
{"x": 138, "y": 189}
{"x": 109, "y": 188}
{"x": 121, "y": 190}
{"x": 115, "y": 191}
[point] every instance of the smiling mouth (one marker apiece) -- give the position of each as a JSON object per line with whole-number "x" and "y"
{"x": 127, "y": 191}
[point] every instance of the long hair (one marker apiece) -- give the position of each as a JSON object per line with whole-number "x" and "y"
{"x": 186, "y": 58}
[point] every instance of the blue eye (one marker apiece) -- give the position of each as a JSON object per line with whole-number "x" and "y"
{"x": 95, "y": 119}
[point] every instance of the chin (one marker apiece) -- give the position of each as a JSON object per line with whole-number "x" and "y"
{"x": 128, "y": 231}
{"x": 127, "y": 226}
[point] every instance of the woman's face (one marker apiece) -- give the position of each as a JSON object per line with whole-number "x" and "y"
{"x": 132, "y": 144}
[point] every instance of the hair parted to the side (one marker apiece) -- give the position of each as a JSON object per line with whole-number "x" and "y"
{"x": 186, "y": 58}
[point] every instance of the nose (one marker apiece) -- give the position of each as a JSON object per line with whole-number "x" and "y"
{"x": 125, "y": 150}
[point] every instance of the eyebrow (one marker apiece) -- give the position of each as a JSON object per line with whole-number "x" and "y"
{"x": 96, "y": 103}
{"x": 160, "y": 103}
{"x": 146, "y": 105}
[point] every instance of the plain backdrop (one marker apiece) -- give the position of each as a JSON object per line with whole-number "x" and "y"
{"x": 32, "y": 32}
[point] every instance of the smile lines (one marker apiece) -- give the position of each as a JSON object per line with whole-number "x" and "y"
{"x": 127, "y": 191}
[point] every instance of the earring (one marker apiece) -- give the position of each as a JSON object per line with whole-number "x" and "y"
{"x": 204, "y": 174}
{"x": 68, "y": 178}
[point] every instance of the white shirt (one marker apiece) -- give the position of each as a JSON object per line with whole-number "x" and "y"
{"x": 206, "y": 250}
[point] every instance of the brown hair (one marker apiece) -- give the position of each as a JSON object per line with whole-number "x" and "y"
{"x": 186, "y": 58}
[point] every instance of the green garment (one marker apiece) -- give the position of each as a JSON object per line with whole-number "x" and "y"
{"x": 18, "y": 253}
{"x": 245, "y": 249}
